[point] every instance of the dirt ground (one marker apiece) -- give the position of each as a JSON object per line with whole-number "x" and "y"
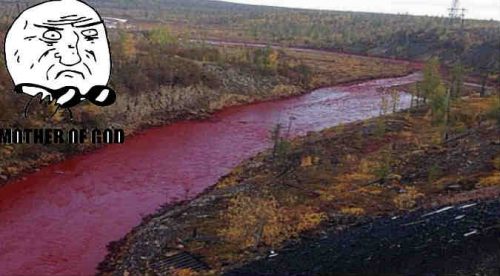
{"x": 326, "y": 181}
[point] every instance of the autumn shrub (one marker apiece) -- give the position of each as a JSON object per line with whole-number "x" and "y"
{"x": 382, "y": 171}
{"x": 145, "y": 62}
{"x": 238, "y": 56}
{"x": 161, "y": 37}
{"x": 496, "y": 162}
{"x": 380, "y": 127}
{"x": 382, "y": 168}
{"x": 281, "y": 146}
{"x": 494, "y": 111}
{"x": 434, "y": 173}
{"x": 150, "y": 72}
{"x": 366, "y": 172}
{"x": 408, "y": 199}
{"x": 306, "y": 161}
{"x": 201, "y": 53}
{"x": 432, "y": 80}
{"x": 254, "y": 221}
{"x": 467, "y": 117}
{"x": 184, "y": 272}
{"x": 266, "y": 60}
{"x": 298, "y": 73}
{"x": 355, "y": 177}
{"x": 352, "y": 211}
{"x": 492, "y": 180}
{"x": 91, "y": 115}
{"x": 438, "y": 103}
{"x": 130, "y": 77}
{"x": 248, "y": 218}
{"x": 230, "y": 179}
{"x": 384, "y": 104}
{"x": 395, "y": 99}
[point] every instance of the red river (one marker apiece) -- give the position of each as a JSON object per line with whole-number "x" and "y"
{"x": 59, "y": 220}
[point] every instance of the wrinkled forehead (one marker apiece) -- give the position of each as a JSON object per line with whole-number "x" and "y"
{"x": 60, "y": 14}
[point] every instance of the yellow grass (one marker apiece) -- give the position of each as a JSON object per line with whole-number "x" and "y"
{"x": 352, "y": 211}
{"x": 254, "y": 220}
{"x": 408, "y": 200}
{"x": 492, "y": 180}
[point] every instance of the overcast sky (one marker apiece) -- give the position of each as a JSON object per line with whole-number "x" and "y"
{"x": 479, "y": 9}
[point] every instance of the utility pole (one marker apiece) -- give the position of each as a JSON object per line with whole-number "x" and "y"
{"x": 454, "y": 9}
{"x": 462, "y": 17}
{"x": 456, "y": 13}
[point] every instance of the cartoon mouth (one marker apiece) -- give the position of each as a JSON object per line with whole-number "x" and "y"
{"x": 69, "y": 74}
{"x": 69, "y": 96}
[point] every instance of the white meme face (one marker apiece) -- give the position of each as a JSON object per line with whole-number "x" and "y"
{"x": 56, "y": 46}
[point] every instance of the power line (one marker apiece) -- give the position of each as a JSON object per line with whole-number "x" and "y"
{"x": 456, "y": 13}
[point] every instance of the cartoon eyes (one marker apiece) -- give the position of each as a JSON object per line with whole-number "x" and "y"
{"x": 90, "y": 34}
{"x": 52, "y": 35}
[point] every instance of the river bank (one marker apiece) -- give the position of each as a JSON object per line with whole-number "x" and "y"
{"x": 89, "y": 200}
{"x": 136, "y": 113}
{"x": 303, "y": 190}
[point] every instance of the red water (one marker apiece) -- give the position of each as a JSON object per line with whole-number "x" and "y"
{"x": 58, "y": 221}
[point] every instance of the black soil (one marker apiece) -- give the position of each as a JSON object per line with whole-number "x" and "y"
{"x": 461, "y": 240}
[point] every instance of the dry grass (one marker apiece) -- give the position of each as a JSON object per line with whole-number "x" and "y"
{"x": 352, "y": 211}
{"x": 489, "y": 181}
{"x": 330, "y": 68}
{"x": 184, "y": 272}
{"x": 255, "y": 221}
{"x": 230, "y": 179}
{"x": 496, "y": 162}
{"x": 408, "y": 199}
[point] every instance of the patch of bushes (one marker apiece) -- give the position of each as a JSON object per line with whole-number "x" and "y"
{"x": 492, "y": 180}
{"x": 254, "y": 221}
{"x": 494, "y": 111}
{"x": 408, "y": 199}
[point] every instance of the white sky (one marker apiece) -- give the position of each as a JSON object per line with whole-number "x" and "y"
{"x": 478, "y": 9}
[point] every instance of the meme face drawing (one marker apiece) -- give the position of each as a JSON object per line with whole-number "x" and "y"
{"x": 58, "y": 50}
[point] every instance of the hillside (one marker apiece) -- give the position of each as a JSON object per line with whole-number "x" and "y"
{"x": 477, "y": 44}
{"x": 303, "y": 197}
{"x": 161, "y": 79}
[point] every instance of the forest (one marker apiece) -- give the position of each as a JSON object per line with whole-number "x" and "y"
{"x": 475, "y": 43}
